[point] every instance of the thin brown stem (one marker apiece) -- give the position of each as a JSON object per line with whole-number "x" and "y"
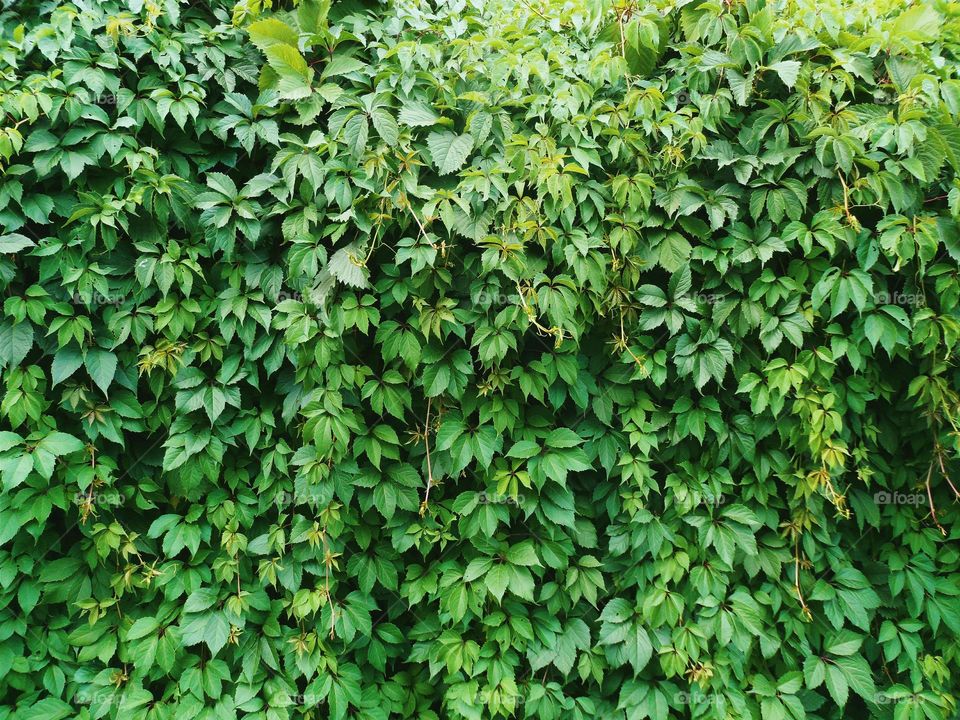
{"x": 933, "y": 509}
{"x": 796, "y": 577}
{"x": 327, "y": 562}
{"x": 531, "y": 7}
{"x": 426, "y": 442}
{"x": 943, "y": 470}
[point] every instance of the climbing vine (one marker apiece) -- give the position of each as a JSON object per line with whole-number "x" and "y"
{"x": 479, "y": 358}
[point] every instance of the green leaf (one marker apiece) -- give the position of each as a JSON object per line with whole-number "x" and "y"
{"x": 102, "y": 366}
{"x": 200, "y": 599}
{"x": 58, "y": 443}
{"x": 312, "y": 15}
{"x": 449, "y": 151}
{"x": 837, "y": 684}
{"x": 15, "y": 470}
{"x": 386, "y": 126}
{"x": 342, "y": 65}
{"x": 524, "y": 449}
{"x": 919, "y": 23}
{"x": 814, "y": 672}
{"x": 65, "y": 363}
{"x": 295, "y": 76}
{"x": 211, "y": 628}
{"x": 563, "y": 438}
{"x": 271, "y": 31}
{"x": 418, "y": 114}
{"x": 858, "y": 676}
{"x": 496, "y": 580}
{"x": 787, "y": 70}
{"x": 9, "y": 440}
{"x": 523, "y": 554}
{"x": 48, "y": 708}
{"x": 15, "y": 343}
{"x": 14, "y": 242}
{"x": 141, "y": 628}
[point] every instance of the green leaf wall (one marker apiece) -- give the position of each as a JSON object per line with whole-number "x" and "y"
{"x": 470, "y": 359}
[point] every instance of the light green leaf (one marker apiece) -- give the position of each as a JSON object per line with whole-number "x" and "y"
{"x": 58, "y": 443}
{"x": 449, "y": 151}
{"x": 271, "y": 31}
{"x": 788, "y": 70}
{"x": 14, "y": 242}
{"x": 418, "y": 114}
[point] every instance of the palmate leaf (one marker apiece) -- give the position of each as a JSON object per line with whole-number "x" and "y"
{"x": 211, "y": 628}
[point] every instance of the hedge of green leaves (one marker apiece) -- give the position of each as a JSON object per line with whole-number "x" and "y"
{"x": 478, "y": 359}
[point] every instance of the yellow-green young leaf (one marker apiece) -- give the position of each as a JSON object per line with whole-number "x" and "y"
{"x": 271, "y": 31}
{"x": 312, "y": 15}
{"x": 294, "y": 76}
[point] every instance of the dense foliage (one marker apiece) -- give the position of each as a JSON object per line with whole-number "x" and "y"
{"x": 476, "y": 359}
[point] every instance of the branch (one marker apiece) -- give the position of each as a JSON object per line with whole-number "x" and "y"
{"x": 426, "y": 442}
{"x": 933, "y": 510}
